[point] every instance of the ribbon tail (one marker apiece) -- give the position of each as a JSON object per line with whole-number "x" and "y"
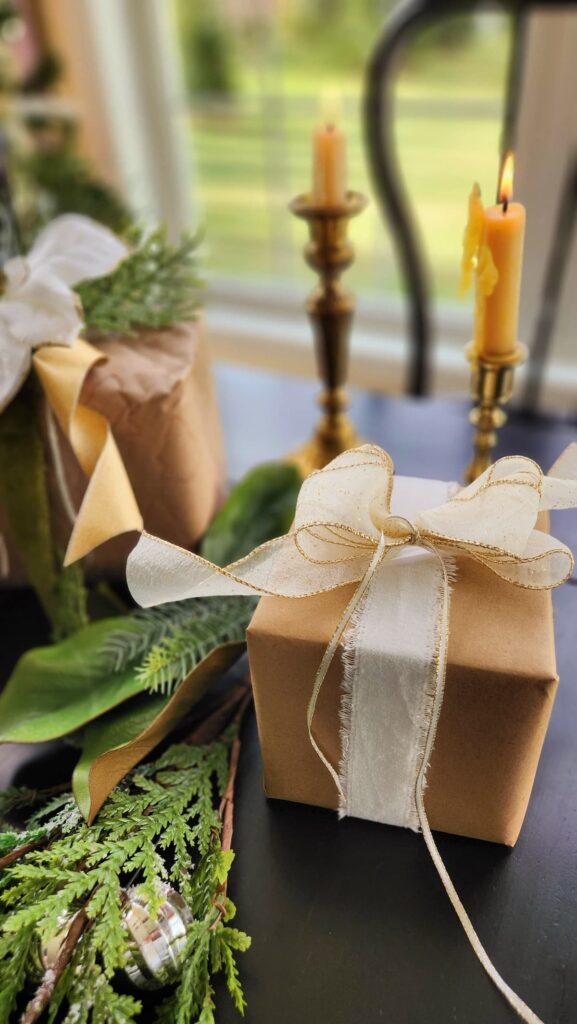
{"x": 109, "y": 506}
{"x": 520, "y": 1007}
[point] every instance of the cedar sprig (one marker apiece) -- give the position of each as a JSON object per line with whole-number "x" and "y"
{"x": 157, "y": 285}
{"x": 162, "y": 822}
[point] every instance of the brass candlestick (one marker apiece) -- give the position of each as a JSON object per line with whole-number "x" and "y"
{"x": 330, "y": 308}
{"x": 491, "y": 389}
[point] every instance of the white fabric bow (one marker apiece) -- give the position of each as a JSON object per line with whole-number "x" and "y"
{"x": 398, "y": 617}
{"x": 343, "y": 516}
{"x": 37, "y": 303}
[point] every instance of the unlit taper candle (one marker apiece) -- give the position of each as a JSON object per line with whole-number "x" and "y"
{"x": 329, "y": 158}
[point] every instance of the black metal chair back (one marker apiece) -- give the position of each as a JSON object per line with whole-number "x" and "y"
{"x": 407, "y": 19}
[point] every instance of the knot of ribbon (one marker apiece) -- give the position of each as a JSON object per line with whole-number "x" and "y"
{"x": 398, "y": 559}
{"x": 40, "y": 322}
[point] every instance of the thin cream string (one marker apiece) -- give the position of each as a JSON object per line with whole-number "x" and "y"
{"x": 59, "y": 470}
{"x": 4, "y": 558}
{"x": 521, "y": 1008}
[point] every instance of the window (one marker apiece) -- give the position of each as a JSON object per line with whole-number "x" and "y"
{"x": 254, "y": 88}
{"x": 228, "y": 142}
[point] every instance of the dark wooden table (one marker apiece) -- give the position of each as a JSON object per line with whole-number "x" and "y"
{"x": 349, "y": 921}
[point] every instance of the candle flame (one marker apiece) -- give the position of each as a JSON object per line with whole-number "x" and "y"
{"x": 506, "y": 183}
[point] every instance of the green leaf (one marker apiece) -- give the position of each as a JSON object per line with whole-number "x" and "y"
{"x": 114, "y": 730}
{"x": 24, "y": 497}
{"x": 260, "y": 507}
{"x": 115, "y": 744}
{"x": 54, "y": 690}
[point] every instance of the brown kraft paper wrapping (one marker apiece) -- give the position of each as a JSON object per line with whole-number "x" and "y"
{"x": 157, "y": 392}
{"x": 500, "y": 686}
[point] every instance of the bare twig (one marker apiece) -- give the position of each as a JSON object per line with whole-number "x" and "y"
{"x": 215, "y": 723}
{"x": 21, "y": 851}
{"x": 226, "y": 809}
{"x": 45, "y": 794}
{"x": 52, "y": 975}
{"x": 36, "y": 795}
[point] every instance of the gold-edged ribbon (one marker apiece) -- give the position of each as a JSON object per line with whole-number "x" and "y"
{"x": 344, "y": 533}
{"x": 109, "y": 507}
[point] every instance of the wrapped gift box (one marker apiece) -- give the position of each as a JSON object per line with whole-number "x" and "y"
{"x": 500, "y": 686}
{"x": 157, "y": 393}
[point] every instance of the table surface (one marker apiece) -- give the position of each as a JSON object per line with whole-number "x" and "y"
{"x": 348, "y": 919}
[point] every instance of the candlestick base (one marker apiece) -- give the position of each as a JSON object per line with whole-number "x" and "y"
{"x": 491, "y": 389}
{"x": 334, "y": 433}
{"x": 330, "y": 308}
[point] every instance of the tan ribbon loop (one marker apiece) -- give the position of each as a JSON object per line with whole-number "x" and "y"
{"x": 109, "y": 506}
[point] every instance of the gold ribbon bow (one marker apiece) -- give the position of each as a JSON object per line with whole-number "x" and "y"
{"x": 109, "y": 506}
{"x": 344, "y": 532}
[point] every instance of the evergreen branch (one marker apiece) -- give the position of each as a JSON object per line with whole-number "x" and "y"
{"x": 171, "y": 661}
{"x": 156, "y": 286}
{"x": 160, "y": 823}
{"x": 149, "y": 627}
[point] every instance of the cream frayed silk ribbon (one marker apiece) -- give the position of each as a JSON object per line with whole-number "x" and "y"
{"x": 395, "y": 629}
{"x": 40, "y": 319}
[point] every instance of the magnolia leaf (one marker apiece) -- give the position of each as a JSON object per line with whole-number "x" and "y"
{"x": 116, "y": 743}
{"x": 57, "y": 689}
{"x": 26, "y": 505}
{"x": 259, "y": 508}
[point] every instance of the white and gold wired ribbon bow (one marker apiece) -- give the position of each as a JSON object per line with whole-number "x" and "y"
{"x": 40, "y": 320}
{"x": 344, "y": 533}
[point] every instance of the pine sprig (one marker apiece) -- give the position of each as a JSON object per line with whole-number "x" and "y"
{"x": 171, "y": 661}
{"x": 156, "y": 286}
{"x": 161, "y": 823}
{"x": 150, "y": 627}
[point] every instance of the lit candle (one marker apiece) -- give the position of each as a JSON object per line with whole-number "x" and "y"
{"x": 329, "y": 160}
{"x": 494, "y": 239}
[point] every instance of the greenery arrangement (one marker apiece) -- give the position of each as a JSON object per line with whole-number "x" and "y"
{"x": 61, "y": 876}
{"x": 115, "y": 684}
{"x": 115, "y": 688}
